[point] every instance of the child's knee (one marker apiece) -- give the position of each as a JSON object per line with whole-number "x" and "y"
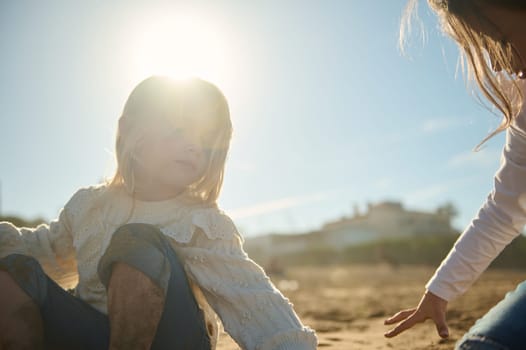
{"x": 23, "y": 266}
{"x": 141, "y": 247}
{"x": 135, "y": 233}
{"x": 27, "y": 274}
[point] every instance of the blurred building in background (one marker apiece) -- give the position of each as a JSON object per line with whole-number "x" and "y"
{"x": 383, "y": 220}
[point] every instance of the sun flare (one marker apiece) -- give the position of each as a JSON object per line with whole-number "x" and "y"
{"x": 186, "y": 44}
{"x": 180, "y": 47}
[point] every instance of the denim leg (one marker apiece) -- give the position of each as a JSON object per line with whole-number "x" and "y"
{"x": 145, "y": 248}
{"x": 502, "y": 328}
{"x": 69, "y": 322}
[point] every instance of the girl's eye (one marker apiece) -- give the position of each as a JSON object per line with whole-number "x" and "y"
{"x": 190, "y": 135}
{"x": 174, "y": 132}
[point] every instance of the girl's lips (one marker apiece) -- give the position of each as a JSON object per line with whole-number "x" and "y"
{"x": 185, "y": 163}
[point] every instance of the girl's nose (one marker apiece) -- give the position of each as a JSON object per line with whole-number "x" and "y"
{"x": 192, "y": 146}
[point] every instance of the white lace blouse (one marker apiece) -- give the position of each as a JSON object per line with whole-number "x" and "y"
{"x": 252, "y": 310}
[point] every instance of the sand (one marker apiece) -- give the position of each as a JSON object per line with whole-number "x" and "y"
{"x": 347, "y": 305}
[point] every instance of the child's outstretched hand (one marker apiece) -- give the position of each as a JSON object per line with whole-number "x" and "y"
{"x": 431, "y": 306}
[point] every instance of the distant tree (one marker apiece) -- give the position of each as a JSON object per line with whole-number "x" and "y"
{"x": 20, "y": 222}
{"x": 447, "y": 210}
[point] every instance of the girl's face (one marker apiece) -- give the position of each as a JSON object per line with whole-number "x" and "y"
{"x": 171, "y": 158}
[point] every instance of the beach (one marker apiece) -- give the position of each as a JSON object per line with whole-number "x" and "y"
{"x": 347, "y": 305}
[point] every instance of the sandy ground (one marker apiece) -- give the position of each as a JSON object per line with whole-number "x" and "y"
{"x": 347, "y": 305}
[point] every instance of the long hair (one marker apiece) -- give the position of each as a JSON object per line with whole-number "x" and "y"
{"x": 160, "y": 98}
{"x": 482, "y": 52}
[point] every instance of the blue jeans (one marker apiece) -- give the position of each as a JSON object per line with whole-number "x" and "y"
{"x": 71, "y": 323}
{"x": 502, "y": 328}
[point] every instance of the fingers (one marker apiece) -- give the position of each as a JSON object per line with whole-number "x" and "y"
{"x": 405, "y": 325}
{"x": 413, "y": 317}
{"x": 399, "y": 316}
{"x": 441, "y": 325}
{"x": 438, "y": 313}
{"x": 431, "y": 306}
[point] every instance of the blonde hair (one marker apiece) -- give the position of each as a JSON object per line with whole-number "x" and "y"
{"x": 476, "y": 48}
{"x": 160, "y": 98}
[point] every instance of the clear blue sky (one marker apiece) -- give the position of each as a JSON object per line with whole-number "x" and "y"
{"x": 327, "y": 112}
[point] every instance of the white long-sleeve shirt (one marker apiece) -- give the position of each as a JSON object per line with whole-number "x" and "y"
{"x": 500, "y": 220}
{"x": 252, "y": 310}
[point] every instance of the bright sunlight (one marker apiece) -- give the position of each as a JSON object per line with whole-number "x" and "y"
{"x": 180, "y": 47}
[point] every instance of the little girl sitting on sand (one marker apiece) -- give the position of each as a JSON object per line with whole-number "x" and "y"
{"x": 151, "y": 247}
